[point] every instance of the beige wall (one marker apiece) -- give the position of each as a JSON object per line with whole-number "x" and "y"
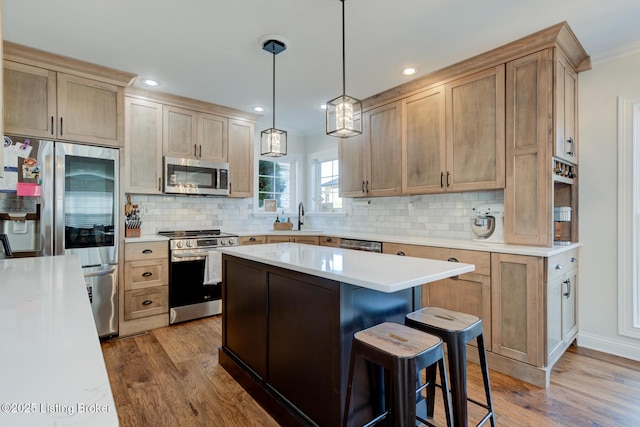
{"x": 616, "y": 75}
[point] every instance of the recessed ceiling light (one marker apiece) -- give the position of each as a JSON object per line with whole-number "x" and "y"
{"x": 409, "y": 71}
{"x": 151, "y": 82}
{"x": 258, "y": 109}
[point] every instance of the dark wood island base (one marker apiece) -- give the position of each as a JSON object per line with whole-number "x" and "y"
{"x": 287, "y": 340}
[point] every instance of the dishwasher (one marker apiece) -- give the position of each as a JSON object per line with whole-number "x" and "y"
{"x": 361, "y": 245}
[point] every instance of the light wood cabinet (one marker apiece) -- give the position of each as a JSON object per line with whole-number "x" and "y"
{"x": 528, "y": 192}
{"x": 240, "y": 153}
{"x": 309, "y": 240}
{"x": 193, "y": 134}
{"x": 145, "y": 300}
{"x": 423, "y": 142}
{"x": 517, "y": 306}
{"x": 372, "y": 160}
{"x": 48, "y": 104}
{"x": 330, "y": 241}
{"x": 1, "y": 101}
{"x": 352, "y": 166}
{"x": 561, "y": 299}
{"x": 252, "y": 240}
{"x": 143, "y": 146}
{"x": 383, "y": 139}
{"x": 566, "y": 111}
{"x": 475, "y": 131}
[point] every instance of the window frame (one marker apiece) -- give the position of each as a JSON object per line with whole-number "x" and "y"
{"x": 315, "y": 182}
{"x": 294, "y": 175}
{"x": 629, "y": 216}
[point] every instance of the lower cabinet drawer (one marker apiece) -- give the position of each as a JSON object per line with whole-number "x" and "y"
{"x": 146, "y": 302}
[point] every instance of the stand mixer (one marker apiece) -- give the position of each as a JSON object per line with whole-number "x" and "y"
{"x": 488, "y": 225}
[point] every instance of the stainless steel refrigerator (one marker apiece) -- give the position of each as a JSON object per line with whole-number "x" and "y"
{"x": 77, "y": 212}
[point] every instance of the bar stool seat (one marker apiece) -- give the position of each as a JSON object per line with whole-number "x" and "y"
{"x": 456, "y": 330}
{"x": 403, "y": 352}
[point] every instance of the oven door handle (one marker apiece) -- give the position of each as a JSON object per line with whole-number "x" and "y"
{"x": 192, "y": 256}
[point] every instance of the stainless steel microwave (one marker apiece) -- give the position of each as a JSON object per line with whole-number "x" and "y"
{"x": 191, "y": 176}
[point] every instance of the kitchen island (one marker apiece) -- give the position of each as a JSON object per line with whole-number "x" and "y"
{"x": 289, "y": 315}
{"x": 53, "y": 372}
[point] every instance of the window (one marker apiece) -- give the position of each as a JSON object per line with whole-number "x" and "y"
{"x": 329, "y": 182}
{"x": 629, "y": 216}
{"x": 275, "y": 182}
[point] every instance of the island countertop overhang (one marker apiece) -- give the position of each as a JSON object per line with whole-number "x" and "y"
{"x": 380, "y": 272}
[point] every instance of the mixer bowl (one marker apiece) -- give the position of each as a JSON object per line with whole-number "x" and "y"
{"x": 483, "y": 226}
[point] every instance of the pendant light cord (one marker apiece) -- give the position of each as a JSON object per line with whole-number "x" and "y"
{"x": 344, "y": 74}
{"x": 274, "y": 90}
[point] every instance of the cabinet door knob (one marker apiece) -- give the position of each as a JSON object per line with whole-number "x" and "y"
{"x": 147, "y": 274}
{"x": 574, "y": 260}
{"x": 147, "y": 302}
{"x": 558, "y": 266}
{"x": 400, "y": 253}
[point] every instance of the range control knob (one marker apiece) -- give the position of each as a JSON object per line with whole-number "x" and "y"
{"x": 179, "y": 244}
{"x": 223, "y": 242}
{"x": 189, "y": 243}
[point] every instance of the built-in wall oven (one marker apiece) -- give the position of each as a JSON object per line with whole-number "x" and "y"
{"x": 195, "y": 288}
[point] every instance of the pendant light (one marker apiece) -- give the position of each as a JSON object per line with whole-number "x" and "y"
{"x": 343, "y": 112}
{"x": 273, "y": 142}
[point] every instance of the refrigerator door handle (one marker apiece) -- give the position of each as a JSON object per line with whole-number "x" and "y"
{"x": 59, "y": 202}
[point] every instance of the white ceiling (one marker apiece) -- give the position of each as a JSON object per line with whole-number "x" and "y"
{"x": 209, "y": 49}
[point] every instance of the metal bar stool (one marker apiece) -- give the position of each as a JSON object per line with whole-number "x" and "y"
{"x": 456, "y": 330}
{"x": 403, "y": 352}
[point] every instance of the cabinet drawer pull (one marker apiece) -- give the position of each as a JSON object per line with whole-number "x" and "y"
{"x": 328, "y": 239}
{"x": 147, "y": 302}
{"x": 400, "y": 253}
{"x": 452, "y": 259}
{"x": 573, "y": 259}
{"x": 558, "y": 266}
{"x": 252, "y": 239}
{"x": 147, "y": 251}
{"x": 147, "y": 274}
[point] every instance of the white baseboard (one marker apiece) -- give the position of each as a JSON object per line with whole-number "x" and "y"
{"x": 608, "y": 345}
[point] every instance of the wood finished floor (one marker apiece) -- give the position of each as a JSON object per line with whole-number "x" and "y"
{"x": 171, "y": 377}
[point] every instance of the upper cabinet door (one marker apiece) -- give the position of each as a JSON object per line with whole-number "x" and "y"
{"x": 180, "y": 132}
{"x": 352, "y": 156}
{"x": 212, "y": 137}
{"x": 29, "y": 100}
{"x": 423, "y": 142}
{"x": 241, "y": 158}
{"x": 476, "y": 136}
{"x": 143, "y": 146}
{"x": 383, "y": 132}
{"x": 566, "y": 141}
{"x": 90, "y": 111}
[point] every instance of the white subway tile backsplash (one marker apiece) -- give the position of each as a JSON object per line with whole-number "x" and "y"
{"x": 438, "y": 215}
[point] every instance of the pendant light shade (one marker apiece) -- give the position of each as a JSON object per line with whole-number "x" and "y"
{"x": 273, "y": 142}
{"x": 343, "y": 112}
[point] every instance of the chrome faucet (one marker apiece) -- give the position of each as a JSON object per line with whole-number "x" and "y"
{"x": 300, "y": 215}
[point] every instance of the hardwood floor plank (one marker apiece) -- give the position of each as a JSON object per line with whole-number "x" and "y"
{"x": 171, "y": 377}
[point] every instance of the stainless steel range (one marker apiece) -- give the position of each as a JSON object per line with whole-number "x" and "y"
{"x": 194, "y": 273}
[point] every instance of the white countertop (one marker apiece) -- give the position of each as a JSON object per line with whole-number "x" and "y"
{"x": 146, "y": 238}
{"x": 427, "y": 241}
{"x": 380, "y": 272}
{"x": 51, "y": 364}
